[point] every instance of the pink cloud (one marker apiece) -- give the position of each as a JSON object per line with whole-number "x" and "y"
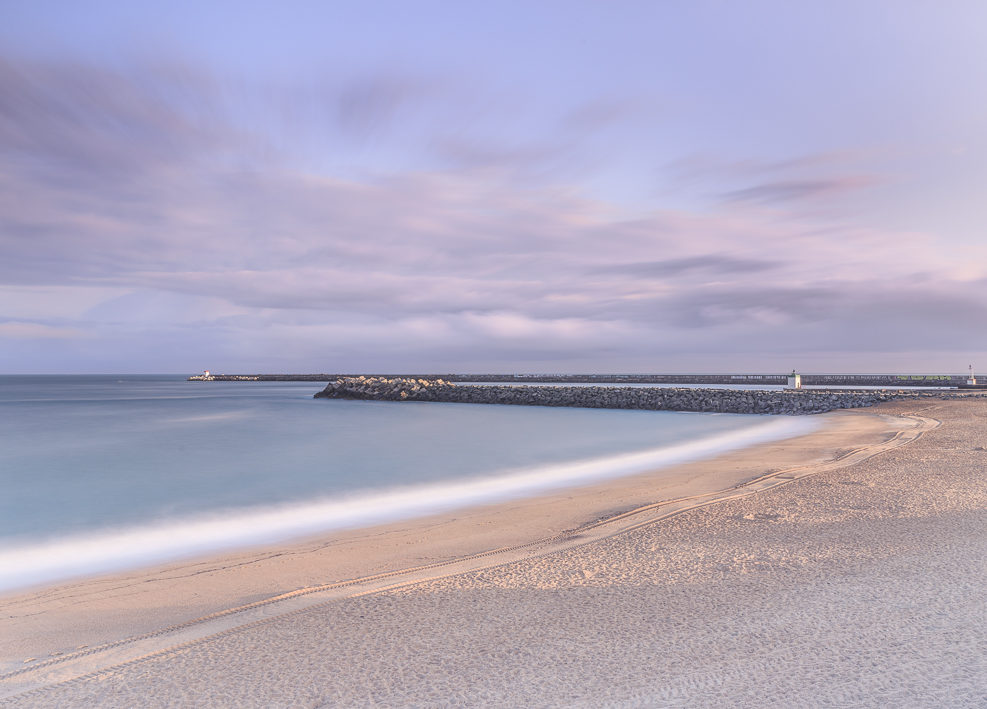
{"x": 131, "y": 190}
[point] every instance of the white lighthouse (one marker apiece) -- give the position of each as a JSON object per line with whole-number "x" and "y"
{"x": 972, "y": 380}
{"x": 794, "y": 380}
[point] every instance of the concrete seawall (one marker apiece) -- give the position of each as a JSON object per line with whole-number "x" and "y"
{"x": 792, "y": 402}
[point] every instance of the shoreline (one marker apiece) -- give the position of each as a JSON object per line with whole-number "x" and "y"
{"x": 53, "y": 622}
{"x": 856, "y": 581}
{"x": 123, "y": 549}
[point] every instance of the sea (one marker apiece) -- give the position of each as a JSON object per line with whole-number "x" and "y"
{"x": 102, "y": 473}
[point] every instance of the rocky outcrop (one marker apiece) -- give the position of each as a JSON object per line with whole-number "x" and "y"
{"x": 733, "y": 401}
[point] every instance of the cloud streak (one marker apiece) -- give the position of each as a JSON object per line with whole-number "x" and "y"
{"x": 36, "y": 331}
{"x": 208, "y": 243}
{"x": 797, "y": 190}
{"x": 683, "y": 266}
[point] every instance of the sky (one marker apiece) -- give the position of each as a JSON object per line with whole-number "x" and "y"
{"x": 493, "y": 187}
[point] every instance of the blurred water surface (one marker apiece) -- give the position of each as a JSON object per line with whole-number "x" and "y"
{"x": 111, "y": 455}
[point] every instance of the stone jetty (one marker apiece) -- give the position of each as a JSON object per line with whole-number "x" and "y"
{"x": 732, "y": 401}
{"x": 827, "y": 380}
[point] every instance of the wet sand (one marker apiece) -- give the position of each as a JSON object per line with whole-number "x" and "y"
{"x": 859, "y": 584}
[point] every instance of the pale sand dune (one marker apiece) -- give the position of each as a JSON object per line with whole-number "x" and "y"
{"x": 857, "y": 586}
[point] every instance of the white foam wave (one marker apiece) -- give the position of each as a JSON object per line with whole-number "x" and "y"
{"x": 124, "y": 548}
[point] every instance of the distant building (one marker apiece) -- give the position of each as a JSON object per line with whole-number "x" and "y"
{"x": 794, "y": 380}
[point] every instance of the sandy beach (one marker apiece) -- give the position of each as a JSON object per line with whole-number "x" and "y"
{"x": 842, "y": 568}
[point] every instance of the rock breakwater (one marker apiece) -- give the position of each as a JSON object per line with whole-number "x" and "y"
{"x": 727, "y": 401}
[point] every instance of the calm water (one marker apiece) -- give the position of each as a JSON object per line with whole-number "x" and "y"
{"x": 105, "y": 472}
